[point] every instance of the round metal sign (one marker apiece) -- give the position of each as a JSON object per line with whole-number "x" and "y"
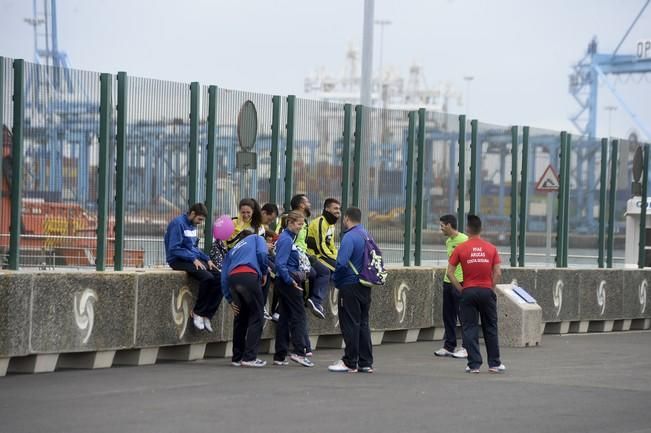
{"x": 637, "y": 164}
{"x": 247, "y": 125}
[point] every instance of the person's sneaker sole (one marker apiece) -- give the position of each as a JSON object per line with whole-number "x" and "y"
{"x": 315, "y": 309}
{"x": 302, "y": 360}
{"x": 472, "y": 370}
{"x": 442, "y": 355}
{"x": 281, "y": 363}
{"x": 497, "y": 370}
{"x": 254, "y": 364}
{"x": 236, "y": 364}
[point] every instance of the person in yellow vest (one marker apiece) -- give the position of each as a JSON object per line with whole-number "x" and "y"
{"x": 249, "y": 218}
{"x": 322, "y": 252}
{"x": 451, "y": 295}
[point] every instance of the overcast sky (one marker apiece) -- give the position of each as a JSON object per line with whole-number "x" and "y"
{"x": 518, "y": 51}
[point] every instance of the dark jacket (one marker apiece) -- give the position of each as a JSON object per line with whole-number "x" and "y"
{"x": 181, "y": 241}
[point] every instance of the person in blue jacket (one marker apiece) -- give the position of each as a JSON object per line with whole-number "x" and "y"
{"x": 183, "y": 254}
{"x": 288, "y": 283}
{"x": 354, "y": 298}
{"x": 244, "y": 272}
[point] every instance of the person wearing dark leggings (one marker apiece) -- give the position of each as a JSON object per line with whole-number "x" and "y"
{"x": 244, "y": 272}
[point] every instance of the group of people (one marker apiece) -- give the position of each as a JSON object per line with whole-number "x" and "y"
{"x": 299, "y": 257}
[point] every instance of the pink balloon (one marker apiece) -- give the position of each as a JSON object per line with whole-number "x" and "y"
{"x": 223, "y": 228}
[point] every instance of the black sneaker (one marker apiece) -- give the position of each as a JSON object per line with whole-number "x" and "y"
{"x": 365, "y": 370}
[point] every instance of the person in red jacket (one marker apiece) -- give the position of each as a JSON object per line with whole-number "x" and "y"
{"x": 480, "y": 263}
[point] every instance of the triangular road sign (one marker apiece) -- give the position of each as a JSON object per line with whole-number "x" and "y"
{"x": 548, "y": 182}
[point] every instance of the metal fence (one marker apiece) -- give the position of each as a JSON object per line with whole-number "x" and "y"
{"x": 404, "y": 168}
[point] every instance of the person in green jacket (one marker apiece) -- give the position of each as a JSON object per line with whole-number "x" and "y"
{"x": 451, "y": 295}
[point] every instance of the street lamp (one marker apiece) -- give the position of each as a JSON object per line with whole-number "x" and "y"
{"x": 610, "y": 109}
{"x": 382, "y": 24}
{"x": 468, "y": 79}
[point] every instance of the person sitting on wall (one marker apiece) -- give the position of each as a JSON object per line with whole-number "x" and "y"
{"x": 183, "y": 254}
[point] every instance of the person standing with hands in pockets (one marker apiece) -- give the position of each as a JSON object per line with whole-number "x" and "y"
{"x": 480, "y": 263}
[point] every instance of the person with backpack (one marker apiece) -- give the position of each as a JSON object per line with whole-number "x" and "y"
{"x": 244, "y": 271}
{"x": 358, "y": 267}
{"x": 322, "y": 252}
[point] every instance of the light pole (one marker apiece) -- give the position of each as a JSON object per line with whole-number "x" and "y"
{"x": 382, "y": 24}
{"x": 468, "y": 79}
{"x": 610, "y": 109}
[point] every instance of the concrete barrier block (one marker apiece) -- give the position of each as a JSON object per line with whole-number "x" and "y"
{"x": 184, "y": 352}
{"x": 556, "y": 328}
{"x": 426, "y": 334}
{"x": 601, "y": 326}
{"x": 600, "y": 294}
{"x": 405, "y": 302}
{"x": 82, "y": 312}
{"x": 640, "y": 324}
{"x": 519, "y": 323}
{"x": 43, "y": 363}
{"x": 579, "y": 327}
{"x": 223, "y": 349}
{"x": 401, "y": 336}
{"x": 557, "y": 293}
{"x": 15, "y": 316}
{"x": 4, "y": 363}
{"x": 330, "y": 342}
{"x": 377, "y": 337}
{"x": 622, "y": 325}
{"x": 86, "y": 360}
{"x": 164, "y": 303}
{"x": 146, "y": 356}
{"x": 636, "y": 293}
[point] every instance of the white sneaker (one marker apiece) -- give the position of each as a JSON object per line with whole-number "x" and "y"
{"x": 303, "y": 360}
{"x": 236, "y": 363}
{"x": 198, "y": 322}
{"x": 206, "y": 322}
{"x": 340, "y": 367}
{"x": 256, "y": 363}
{"x": 472, "y": 370}
{"x": 499, "y": 369}
{"x": 281, "y": 363}
{"x": 443, "y": 352}
{"x": 460, "y": 353}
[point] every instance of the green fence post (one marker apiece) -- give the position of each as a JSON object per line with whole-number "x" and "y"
{"x": 17, "y": 164}
{"x": 566, "y": 197}
{"x": 289, "y": 152}
{"x": 275, "y": 139}
{"x": 560, "y": 218}
{"x": 603, "y": 186}
{"x": 641, "y": 262}
{"x": 211, "y": 163}
{"x": 461, "y": 186}
{"x": 514, "y": 195}
{"x": 524, "y": 183}
{"x": 359, "y": 122}
{"x": 420, "y": 186}
{"x": 345, "y": 170}
{"x": 474, "y": 155}
{"x": 120, "y": 170}
{"x": 409, "y": 200}
{"x": 193, "y": 171}
{"x": 612, "y": 196}
{"x": 105, "y": 124}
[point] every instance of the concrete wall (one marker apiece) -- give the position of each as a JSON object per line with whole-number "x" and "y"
{"x": 51, "y": 320}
